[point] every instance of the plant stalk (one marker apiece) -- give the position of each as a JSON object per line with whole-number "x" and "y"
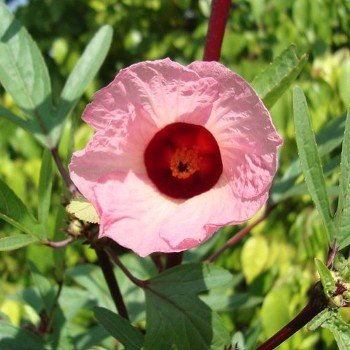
{"x": 216, "y": 29}
{"x": 173, "y": 259}
{"x": 64, "y": 173}
{"x": 112, "y": 283}
{"x": 238, "y": 236}
{"x": 316, "y": 304}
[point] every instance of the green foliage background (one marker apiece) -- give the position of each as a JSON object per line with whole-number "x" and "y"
{"x": 273, "y": 268}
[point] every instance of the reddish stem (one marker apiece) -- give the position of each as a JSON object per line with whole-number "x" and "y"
{"x": 216, "y": 29}
{"x": 112, "y": 283}
{"x": 173, "y": 259}
{"x": 64, "y": 173}
{"x": 316, "y": 304}
{"x": 238, "y": 236}
{"x": 59, "y": 244}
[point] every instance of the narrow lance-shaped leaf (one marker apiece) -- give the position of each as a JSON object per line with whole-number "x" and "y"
{"x": 310, "y": 160}
{"x": 16, "y": 241}
{"x": 13, "y": 211}
{"x": 329, "y": 137}
{"x": 343, "y": 210}
{"x": 45, "y": 186}
{"x": 119, "y": 328}
{"x": 272, "y": 82}
{"x": 24, "y": 75}
{"x": 85, "y": 70}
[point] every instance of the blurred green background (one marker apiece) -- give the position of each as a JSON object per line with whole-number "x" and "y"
{"x": 273, "y": 268}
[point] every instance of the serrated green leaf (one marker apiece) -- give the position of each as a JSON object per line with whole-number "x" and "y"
{"x": 15, "y": 338}
{"x": 326, "y": 278}
{"x": 45, "y": 186}
{"x": 85, "y": 70}
{"x": 319, "y": 319}
{"x": 271, "y": 83}
{"x": 13, "y": 211}
{"x": 339, "y": 328}
{"x": 119, "y": 328}
{"x": 310, "y": 161}
{"x": 16, "y": 241}
{"x": 83, "y": 210}
{"x": 24, "y": 75}
{"x": 175, "y": 315}
{"x": 343, "y": 211}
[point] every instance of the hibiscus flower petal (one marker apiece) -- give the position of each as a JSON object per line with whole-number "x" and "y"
{"x": 197, "y": 219}
{"x": 132, "y": 211}
{"x": 244, "y": 131}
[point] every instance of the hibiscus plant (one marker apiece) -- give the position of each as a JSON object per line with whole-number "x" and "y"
{"x": 177, "y": 170}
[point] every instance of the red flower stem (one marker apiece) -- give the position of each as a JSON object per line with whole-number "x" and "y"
{"x": 127, "y": 273}
{"x": 238, "y": 236}
{"x": 332, "y": 252}
{"x": 64, "y": 173}
{"x": 216, "y": 29}
{"x": 112, "y": 283}
{"x": 316, "y": 304}
{"x": 59, "y": 244}
{"x": 173, "y": 259}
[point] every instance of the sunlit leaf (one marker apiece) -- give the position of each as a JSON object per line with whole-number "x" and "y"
{"x": 271, "y": 83}
{"x": 85, "y": 70}
{"x": 16, "y": 241}
{"x": 254, "y": 256}
{"x": 83, "y": 210}
{"x": 24, "y": 75}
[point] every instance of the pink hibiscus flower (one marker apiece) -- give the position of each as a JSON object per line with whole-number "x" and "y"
{"x": 178, "y": 153}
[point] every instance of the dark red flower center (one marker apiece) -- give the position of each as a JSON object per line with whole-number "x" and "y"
{"x": 183, "y": 160}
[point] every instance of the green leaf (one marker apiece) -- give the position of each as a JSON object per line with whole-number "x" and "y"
{"x": 331, "y": 319}
{"x": 16, "y": 241}
{"x": 272, "y": 82}
{"x": 24, "y": 75}
{"x": 7, "y": 114}
{"x": 14, "y": 338}
{"x": 119, "y": 328}
{"x": 319, "y": 319}
{"x": 83, "y": 210}
{"x": 45, "y": 187}
{"x": 85, "y": 70}
{"x": 310, "y": 160}
{"x": 175, "y": 315}
{"x": 254, "y": 256}
{"x": 13, "y": 211}
{"x": 328, "y": 138}
{"x": 343, "y": 210}
{"x": 326, "y": 277}
{"x": 46, "y": 291}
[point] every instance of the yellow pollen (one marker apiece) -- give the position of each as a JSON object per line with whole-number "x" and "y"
{"x": 184, "y": 162}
